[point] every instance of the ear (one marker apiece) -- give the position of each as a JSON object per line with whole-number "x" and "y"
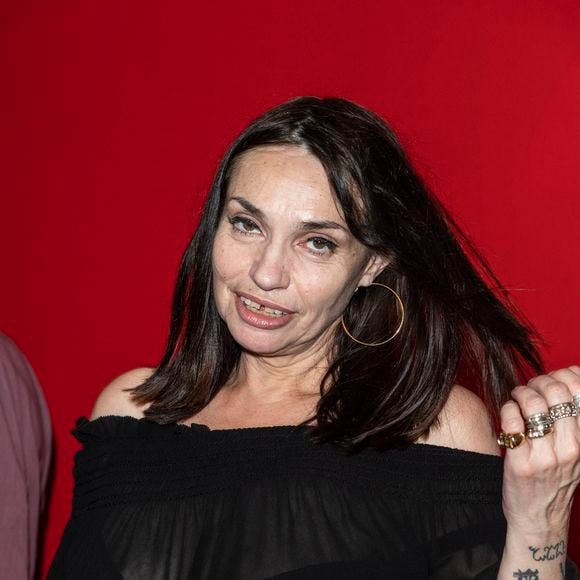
{"x": 375, "y": 265}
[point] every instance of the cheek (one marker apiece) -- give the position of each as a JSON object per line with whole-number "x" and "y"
{"x": 222, "y": 262}
{"x": 325, "y": 299}
{"x": 219, "y": 280}
{"x": 221, "y": 276}
{"x": 219, "y": 269}
{"x": 329, "y": 292}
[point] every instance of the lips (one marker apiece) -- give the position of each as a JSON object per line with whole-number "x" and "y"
{"x": 265, "y": 303}
{"x": 259, "y": 315}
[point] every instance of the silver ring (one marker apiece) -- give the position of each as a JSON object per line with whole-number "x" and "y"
{"x": 537, "y": 432}
{"x": 576, "y": 399}
{"x": 539, "y": 420}
{"x": 563, "y": 410}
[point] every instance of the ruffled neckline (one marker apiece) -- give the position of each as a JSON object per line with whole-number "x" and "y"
{"x": 106, "y": 421}
{"x": 108, "y": 427}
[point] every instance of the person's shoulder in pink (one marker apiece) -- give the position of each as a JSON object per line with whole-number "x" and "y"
{"x": 25, "y": 454}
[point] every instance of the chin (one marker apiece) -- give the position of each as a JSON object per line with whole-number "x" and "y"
{"x": 262, "y": 345}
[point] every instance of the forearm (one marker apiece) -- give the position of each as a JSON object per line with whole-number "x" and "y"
{"x": 533, "y": 556}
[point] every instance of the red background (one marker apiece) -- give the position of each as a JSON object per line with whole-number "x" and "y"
{"x": 114, "y": 115}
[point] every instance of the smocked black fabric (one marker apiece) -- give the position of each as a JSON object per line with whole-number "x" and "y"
{"x": 172, "y": 502}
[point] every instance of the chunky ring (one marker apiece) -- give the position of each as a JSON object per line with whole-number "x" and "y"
{"x": 539, "y": 425}
{"x": 510, "y": 440}
{"x": 563, "y": 410}
{"x": 537, "y": 432}
{"x": 539, "y": 419}
{"x": 576, "y": 398}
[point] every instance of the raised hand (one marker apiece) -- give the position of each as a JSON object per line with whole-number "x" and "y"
{"x": 541, "y": 430}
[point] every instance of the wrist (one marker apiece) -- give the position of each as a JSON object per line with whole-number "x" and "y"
{"x": 539, "y": 533}
{"x": 540, "y": 547}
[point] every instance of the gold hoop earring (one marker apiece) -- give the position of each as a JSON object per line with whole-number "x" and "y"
{"x": 396, "y": 331}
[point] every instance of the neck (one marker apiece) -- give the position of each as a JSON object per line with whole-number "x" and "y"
{"x": 271, "y": 380}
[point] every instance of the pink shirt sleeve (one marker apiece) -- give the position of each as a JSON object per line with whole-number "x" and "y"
{"x": 25, "y": 452}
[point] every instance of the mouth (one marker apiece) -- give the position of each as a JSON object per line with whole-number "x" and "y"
{"x": 267, "y": 309}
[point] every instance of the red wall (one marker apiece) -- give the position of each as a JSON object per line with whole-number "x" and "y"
{"x": 114, "y": 115}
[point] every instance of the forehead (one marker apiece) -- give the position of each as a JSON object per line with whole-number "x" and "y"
{"x": 284, "y": 178}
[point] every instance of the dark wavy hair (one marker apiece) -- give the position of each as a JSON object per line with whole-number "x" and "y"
{"x": 385, "y": 396}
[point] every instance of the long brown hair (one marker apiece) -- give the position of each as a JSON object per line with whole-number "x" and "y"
{"x": 385, "y": 396}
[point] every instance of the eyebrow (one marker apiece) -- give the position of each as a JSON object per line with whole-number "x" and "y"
{"x": 248, "y": 206}
{"x": 304, "y": 226}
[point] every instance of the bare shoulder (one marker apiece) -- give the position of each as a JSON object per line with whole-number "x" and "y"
{"x": 114, "y": 400}
{"x": 464, "y": 423}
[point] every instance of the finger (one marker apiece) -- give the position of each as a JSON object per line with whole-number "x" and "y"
{"x": 513, "y": 422}
{"x": 569, "y": 377}
{"x": 572, "y": 381}
{"x": 554, "y": 388}
{"x": 532, "y": 402}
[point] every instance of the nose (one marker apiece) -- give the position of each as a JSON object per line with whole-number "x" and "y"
{"x": 269, "y": 269}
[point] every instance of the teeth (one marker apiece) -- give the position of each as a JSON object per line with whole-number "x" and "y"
{"x": 255, "y": 307}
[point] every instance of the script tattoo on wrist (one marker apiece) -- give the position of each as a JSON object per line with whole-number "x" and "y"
{"x": 528, "y": 574}
{"x": 550, "y": 552}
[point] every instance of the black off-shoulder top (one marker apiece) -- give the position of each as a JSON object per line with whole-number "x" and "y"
{"x": 177, "y": 502}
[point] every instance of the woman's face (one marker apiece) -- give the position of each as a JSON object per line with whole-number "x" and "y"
{"x": 284, "y": 262}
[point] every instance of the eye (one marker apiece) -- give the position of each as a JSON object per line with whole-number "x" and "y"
{"x": 243, "y": 225}
{"x": 320, "y": 246}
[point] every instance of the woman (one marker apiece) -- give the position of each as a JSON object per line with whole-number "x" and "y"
{"x": 305, "y": 421}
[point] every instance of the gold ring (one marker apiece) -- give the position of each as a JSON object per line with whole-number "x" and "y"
{"x": 510, "y": 440}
